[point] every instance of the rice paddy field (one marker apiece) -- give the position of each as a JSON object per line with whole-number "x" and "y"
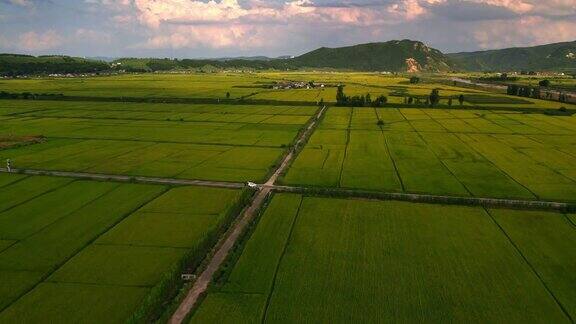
{"x": 85, "y": 251}
{"x": 142, "y": 85}
{"x": 79, "y": 250}
{"x": 321, "y": 260}
{"x": 442, "y": 152}
{"x": 208, "y": 142}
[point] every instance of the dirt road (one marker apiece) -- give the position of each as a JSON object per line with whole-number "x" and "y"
{"x": 122, "y": 178}
{"x": 202, "y": 282}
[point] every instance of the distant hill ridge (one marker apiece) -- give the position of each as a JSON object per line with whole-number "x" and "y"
{"x": 557, "y": 56}
{"x": 393, "y": 56}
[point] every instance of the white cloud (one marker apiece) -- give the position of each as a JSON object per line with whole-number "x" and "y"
{"x": 94, "y": 36}
{"x": 22, "y": 3}
{"x": 293, "y": 26}
{"x": 33, "y": 41}
{"x": 525, "y": 31}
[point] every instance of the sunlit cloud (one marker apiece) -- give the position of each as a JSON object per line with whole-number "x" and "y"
{"x": 194, "y": 27}
{"x": 33, "y": 41}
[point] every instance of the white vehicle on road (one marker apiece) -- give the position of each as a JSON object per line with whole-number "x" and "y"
{"x": 252, "y": 185}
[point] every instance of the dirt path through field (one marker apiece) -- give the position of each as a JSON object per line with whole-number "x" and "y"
{"x": 202, "y": 282}
{"x": 332, "y": 192}
{"x": 122, "y": 178}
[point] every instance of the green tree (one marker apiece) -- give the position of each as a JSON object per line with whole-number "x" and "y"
{"x": 544, "y": 83}
{"x": 227, "y": 95}
{"x": 380, "y": 101}
{"x": 461, "y": 99}
{"x": 414, "y": 80}
{"x": 340, "y": 96}
{"x": 434, "y": 97}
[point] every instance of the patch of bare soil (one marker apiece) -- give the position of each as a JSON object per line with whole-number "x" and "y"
{"x": 412, "y": 66}
{"x": 7, "y": 142}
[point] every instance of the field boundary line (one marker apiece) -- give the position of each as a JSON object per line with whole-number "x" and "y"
{"x": 127, "y": 179}
{"x": 321, "y": 191}
{"x": 429, "y": 199}
{"x": 388, "y": 151}
{"x": 284, "y": 248}
{"x": 348, "y": 135}
{"x": 159, "y": 141}
{"x": 562, "y": 308}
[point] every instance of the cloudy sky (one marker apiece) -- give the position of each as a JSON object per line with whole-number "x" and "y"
{"x": 217, "y": 28}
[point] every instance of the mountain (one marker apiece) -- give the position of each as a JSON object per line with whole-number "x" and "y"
{"x": 17, "y": 64}
{"x": 395, "y": 56}
{"x": 558, "y": 56}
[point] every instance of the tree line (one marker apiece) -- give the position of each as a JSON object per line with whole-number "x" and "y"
{"x": 431, "y": 100}
{"x": 358, "y": 101}
{"x": 65, "y": 65}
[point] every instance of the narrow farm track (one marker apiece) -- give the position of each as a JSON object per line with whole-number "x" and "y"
{"x": 330, "y": 192}
{"x": 202, "y": 282}
{"x": 123, "y": 178}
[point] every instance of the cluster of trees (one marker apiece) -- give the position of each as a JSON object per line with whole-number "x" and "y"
{"x": 358, "y": 101}
{"x": 535, "y": 92}
{"x": 17, "y": 65}
{"x": 432, "y": 100}
{"x": 544, "y": 83}
{"x": 523, "y": 91}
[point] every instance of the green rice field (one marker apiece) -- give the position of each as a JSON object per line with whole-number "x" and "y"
{"x": 319, "y": 260}
{"x": 98, "y": 251}
{"x": 183, "y": 141}
{"x": 77, "y": 250}
{"x": 443, "y": 152}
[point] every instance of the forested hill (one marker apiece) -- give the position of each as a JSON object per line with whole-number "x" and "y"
{"x": 558, "y": 56}
{"x": 395, "y": 56}
{"x": 392, "y": 56}
{"x": 16, "y": 64}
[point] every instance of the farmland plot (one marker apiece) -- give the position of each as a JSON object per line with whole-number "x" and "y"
{"x": 206, "y": 142}
{"x": 44, "y": 231}
{"x": 335, "y": 261}
{"x": 443, "y": 152}
{"x": 546, "y": 240}
{"x": 143, "y": 85}
{"x": 104, "y": 254}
